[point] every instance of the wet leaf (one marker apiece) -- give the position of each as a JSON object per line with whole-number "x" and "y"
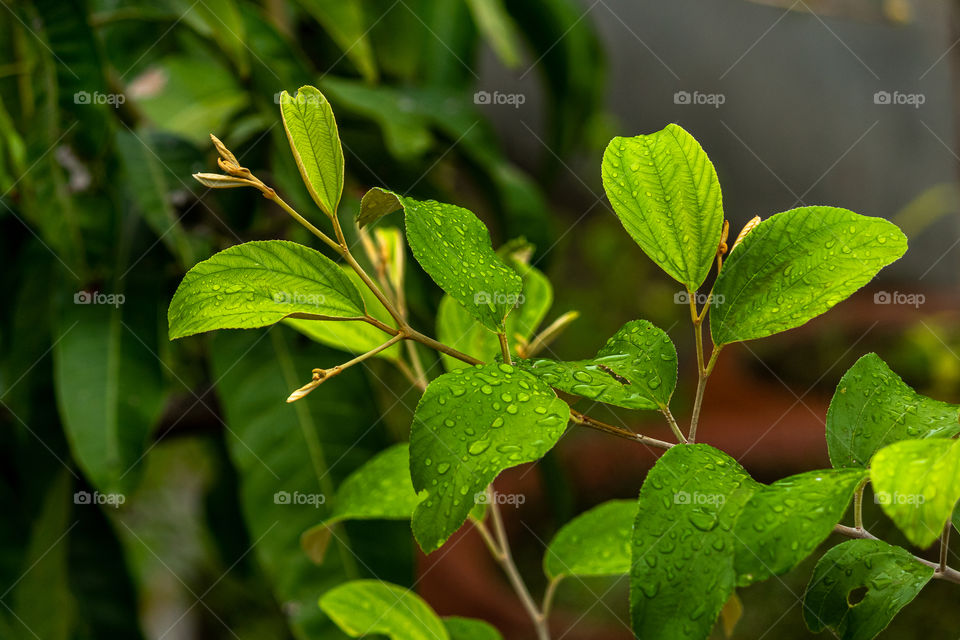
{"x": 364, "y": 607}
{"x": 595, "y": 543}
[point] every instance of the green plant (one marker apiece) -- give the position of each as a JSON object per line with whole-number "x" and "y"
{"x": 702, "y": 526}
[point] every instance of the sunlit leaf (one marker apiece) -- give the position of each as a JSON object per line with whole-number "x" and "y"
{"x": 365, "y": 607}
{"x": 595, "y": 543}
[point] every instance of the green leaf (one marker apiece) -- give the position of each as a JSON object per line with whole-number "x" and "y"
{"x": 595, "y": 543}
{"x": 356, "y": 337}
{"x": 917, "y": 484}
{"x": 784, "y": 522}
{"x": 497, "y": 28}
{"x": 688, "y": 506}
{"x": 365, "y": 607}
{"x": 282, "y": 450}
{"x": 220, "y": 20}
{"x": 256, "y": 284}
{"x": 890, "y": 576}
{"x": 873, "y": 407}
{"x": 457, "y": 328}
{"x": 379, "y": 490}
{"x": 312, "y": 132}
{"x": 453, "y": 247}
{"x": 109, "y": 388}
{"x": 665, "y": 191}
{"x": 795, "y": 266}
{"x": 469, "y": 426}
{"x": 635, "y": 369}
{"x": 347, "y": 25}
{"x": 470, "y": 629}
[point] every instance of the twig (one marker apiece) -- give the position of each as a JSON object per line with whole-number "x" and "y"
{"x": 945, "y": 573}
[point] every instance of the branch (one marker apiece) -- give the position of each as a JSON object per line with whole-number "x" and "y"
{"x": 593, "y": 423}
{"x": 944, "y": 573}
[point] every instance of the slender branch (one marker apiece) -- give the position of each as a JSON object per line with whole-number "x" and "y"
{"x": 413, "y": 334}
{"x": 513, "y": 574}
{"x": 270, "y": 194}
{"x": 545, "y": 337}
{"x": 858, "y": 504}
{"x": 665, "y": 410}
{"x": 548, "y": 596}
{"x": 944, "y": 546}
{"x": 593, "y": 423}
{"x": 945, "y": 573}
{"x": 505, "y": 347}
{"x": 322, "y": 375}
{"x": 492, "y": 545}
{"x": 701, "y": 388}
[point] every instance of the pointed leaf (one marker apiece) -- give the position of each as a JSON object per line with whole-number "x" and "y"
{"x": 315, "y": 142}
{"x": 873, "y": 407}
{"x": 891, "y": 577}
{"x": 595, "y": 543}
{"x": 686, "y": 512}
{"x": 468, "y": 427}
{"x": 256, "y": 284}
{"x": 784, "y": 522}
{"x": 636, "y": 369}
{"x": 917, "y": 484}
{"x": 453, "y": 247}
{"x": 365, "y": 607}
{"x": 665, "y": 191}
{"x": 795, "y": 266}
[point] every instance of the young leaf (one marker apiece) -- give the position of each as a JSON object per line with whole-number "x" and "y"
{"x": 595, "y": 543}
{"x": 686, "y": 512}
{"x": 453, "y": 247}
{"x": 795, "y": 266}
{"x": 470, "y": 629}
{"x": 873, "y": 407}
{"x": 356, "y": 337}
{"x": 784, "y": 522}
{"x": 917, "y": 484}
{"x": 256, "y": 284}
{"x": 665, "y": 191}
{"x": 890, "y": 576}
{"x": 365, "y": 607}
{"x": 379, "y": 490}
{"x": 636, "y": 369}
{"x": 469, "y": 426}
{"x": 458, "y": 328}
{"x": 312, "y": 132}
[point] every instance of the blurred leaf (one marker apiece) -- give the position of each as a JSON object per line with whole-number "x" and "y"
{"x": 795, "y": 266}
{"x": 693, "y": 496}
{"x": 379, "y": 490}
{"x": 595, "y": 543}
{"x": 355, "y": 337}
{"x": 470, "y": 629}
{"x": 315, "y": 143}
{"x": 665, "y": 191}
{"x": 109, "y": 386}
{"x": 497, "y": 27}
{"x": 220, "y": 20}
{"x": 453, "y": 247}
{"x": 256, "y": 284}
{"x": 917, "y": 484}
{"x": 635, "y": 369}
{"x": 365, "y": 607}
{"x": 888, "y": 577}
{"x": 347, "y": 25}
{"x": 784, "y": 522}
{"x": 468, "y": 427}
{"x": 873, "y": 407}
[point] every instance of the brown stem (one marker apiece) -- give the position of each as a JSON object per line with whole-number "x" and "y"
{"x": 593, "y": 423}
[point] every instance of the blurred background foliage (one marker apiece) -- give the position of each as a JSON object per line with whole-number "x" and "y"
{"x": 105, "y": 111}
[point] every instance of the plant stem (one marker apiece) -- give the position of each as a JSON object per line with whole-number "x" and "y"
{"x": 704, "y": 373}
{"x": 944, "y": 546}
{"x": 505, "y": 347}
{"x": 413, "y": 334}
{"x": 665, "y": 410}
{"x": 858, "y": 504}
{"x": 513, "y": 574}
{"x": 548, "y": 596}
{"x": 272, "y": 195}
{"x": 322, "y": 375}
{"x": 944, "y": 573}
{"x": 593, "y": 423}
